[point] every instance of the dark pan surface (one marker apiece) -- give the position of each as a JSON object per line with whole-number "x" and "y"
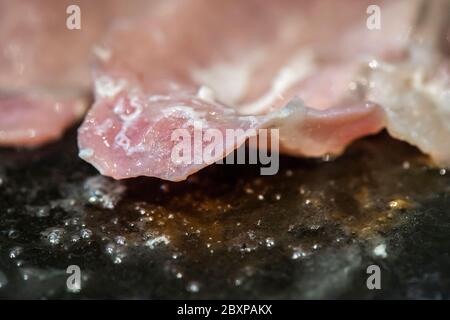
{"x": 309, "y": 232}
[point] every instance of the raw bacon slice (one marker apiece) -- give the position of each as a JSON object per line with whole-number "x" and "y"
{"x": 39, "y": 59}
{"x": 415, "y": 92}
{"x": 129, "y": 134}
{"x": 33, "y": 119}
{"x": 299, "y": 66}
{"x": 45, "y": 76}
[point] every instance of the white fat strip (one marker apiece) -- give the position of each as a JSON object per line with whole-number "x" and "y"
{"x": 158, "y": 98}
{"x": 189, "y": 112}
{"x": 229, "y": 80}
{"x": 105, "y": 87}
{"x": 102, "y": 53}
{"x": 416, "y": 104}
{"x": 206, "y": 94}
{"x": 301, "y": 65}
{"x": 128, "y": 120}
{"x": 120, "y": 110}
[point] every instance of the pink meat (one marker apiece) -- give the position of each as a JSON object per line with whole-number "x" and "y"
{"x": 45, "y": 76}
{"x": 139, "y": 132}
{"x": 30, "y": 121}
{"x": 294, "y": 65}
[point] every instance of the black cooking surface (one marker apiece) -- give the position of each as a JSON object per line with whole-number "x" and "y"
{"x": 309, "y": 232}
